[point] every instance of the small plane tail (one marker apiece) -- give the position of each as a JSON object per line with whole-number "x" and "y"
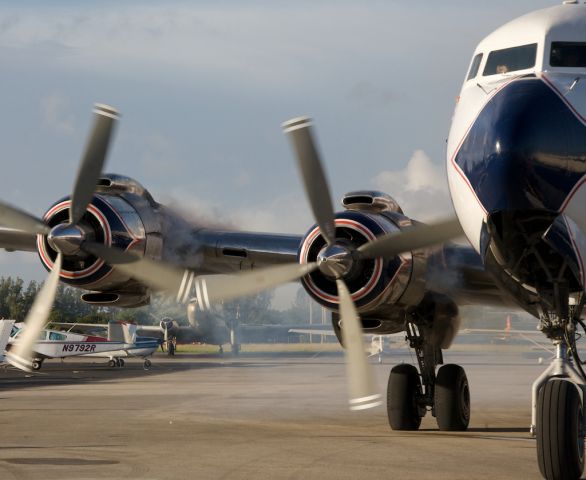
{"x": 129, "y": 330}
{"x": 5, "y": 329}
{"x": 122, "y": 332}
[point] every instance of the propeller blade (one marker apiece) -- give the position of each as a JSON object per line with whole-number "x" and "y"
{"x": 93, "y": 160}
{"x": 17, "y": 219}
{"x": 180, "y": 283}
{"x": 415, "y": 238}
{"x": 361, "y": 385}
{"x": 312, "y": 174}
{"x": 21, "y": 354}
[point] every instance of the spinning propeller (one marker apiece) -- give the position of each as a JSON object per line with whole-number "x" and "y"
{"x": 66, "y": 238}
{"x": 335, "y": 260}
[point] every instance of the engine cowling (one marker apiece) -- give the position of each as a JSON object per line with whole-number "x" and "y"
{"x": 169, "y": 325}
{"x": 372, "y": 283}
{"x": 121, "y": 214}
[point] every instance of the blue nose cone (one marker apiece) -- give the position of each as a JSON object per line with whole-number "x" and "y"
{"x": 526, "y": 150}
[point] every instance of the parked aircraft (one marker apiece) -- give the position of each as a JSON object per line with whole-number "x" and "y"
{"x": 121, "y": 342}
{"x": 5, "y": 329}
{"x": 516, "y": 160}
{"x": 377, "y": 345}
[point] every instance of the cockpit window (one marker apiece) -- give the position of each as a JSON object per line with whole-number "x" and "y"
{"x": 511, "y": 59}
{"x": 568, "y": 54}
{"x": 475, "y": 66}
{"x": 57, "y": 336}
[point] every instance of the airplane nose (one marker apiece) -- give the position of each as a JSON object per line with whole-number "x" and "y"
{"x": 526, "y": 150}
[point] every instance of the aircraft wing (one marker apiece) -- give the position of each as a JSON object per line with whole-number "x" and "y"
{"x": 455, "y": 270}
{"x": 495, "y": 331}
{"x": 312, "y": 331}
{"x": 225, "y": 251}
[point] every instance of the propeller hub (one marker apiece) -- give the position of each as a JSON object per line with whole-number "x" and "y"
{"x": 66, "y": 238}
{"x": 334, "y": 261}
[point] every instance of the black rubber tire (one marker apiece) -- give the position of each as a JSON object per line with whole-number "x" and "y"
{"x": 403, "y": 390}
{"x": 36, "y": 365}
{"x": 560, "y": 445}
{"x": 452, "y": 398}
{"x": 121, "y": 362}
{"x": 111, "y": 363}
{"x": 171, "y": 349}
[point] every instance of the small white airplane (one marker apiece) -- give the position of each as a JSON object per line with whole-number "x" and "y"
{"x": 121, "y": 341}
{"x": 376, "y": 346}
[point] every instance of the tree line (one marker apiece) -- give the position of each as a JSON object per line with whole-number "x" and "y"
{"x": 16, "y": 299}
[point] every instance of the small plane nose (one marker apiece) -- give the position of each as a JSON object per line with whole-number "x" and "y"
{"x": 526, "y": 150}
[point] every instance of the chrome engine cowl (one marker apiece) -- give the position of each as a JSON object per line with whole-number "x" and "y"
{"x": 110, "y": 220}
{"x": 371, "y": 282}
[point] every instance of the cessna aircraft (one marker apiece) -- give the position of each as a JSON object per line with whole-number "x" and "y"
{"x": 516, "y": 161}
{"x": 121, "y": 341}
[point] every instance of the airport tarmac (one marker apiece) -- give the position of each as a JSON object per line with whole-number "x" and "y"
{"x": 255, "y": 417}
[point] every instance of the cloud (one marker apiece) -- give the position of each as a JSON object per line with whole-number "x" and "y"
{"x": 56, "y": 114}
{"x": 420, "y": 188}
{"x": 248, "y": 43}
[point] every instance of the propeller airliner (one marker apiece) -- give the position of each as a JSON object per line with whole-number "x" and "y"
{"x": 516, "y": 163}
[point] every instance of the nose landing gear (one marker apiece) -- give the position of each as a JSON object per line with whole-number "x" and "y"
{"x": 557, "y": 396}
{"x": 557, "y": 413}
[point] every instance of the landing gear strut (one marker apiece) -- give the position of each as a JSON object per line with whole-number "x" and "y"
{"x": 557, "y": 413}
{"x": 410, "y": 394}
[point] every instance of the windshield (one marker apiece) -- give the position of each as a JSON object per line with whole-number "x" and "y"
{"x": 568, "y": 54}
{"x": 511, "y": 59}
{"x": 475, "y": 66}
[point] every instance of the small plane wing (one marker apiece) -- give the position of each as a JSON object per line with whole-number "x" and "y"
{"x": 310, "y": 331}
{"x": 531, "y": 336}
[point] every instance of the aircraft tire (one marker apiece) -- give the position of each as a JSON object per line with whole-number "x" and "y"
{"x": 37, "y": 364}
{"x": 121, "y": 362}
{"x": 452, "y": 398}
{"x": 147, "y": 364}
{"x": 560, "y": 441}
{"x": 402, "y": 391}
{"x": 112, "y": 363}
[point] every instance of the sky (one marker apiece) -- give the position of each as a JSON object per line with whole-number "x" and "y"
{"x": 203, "y": 88}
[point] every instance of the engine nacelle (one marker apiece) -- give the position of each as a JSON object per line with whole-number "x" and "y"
{"x": 121, "y": 214}
{"x": 169, "y": 325}
{"x": 373, "y": 283}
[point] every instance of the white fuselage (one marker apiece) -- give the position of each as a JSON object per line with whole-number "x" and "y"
{"x": 516, "y": 143}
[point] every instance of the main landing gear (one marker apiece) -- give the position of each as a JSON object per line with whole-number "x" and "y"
{"x": 115, "y": 362}
{"x": 411, "y": 393}
{"x": 557, "y": 414}
{"x": 37, "y": 364}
